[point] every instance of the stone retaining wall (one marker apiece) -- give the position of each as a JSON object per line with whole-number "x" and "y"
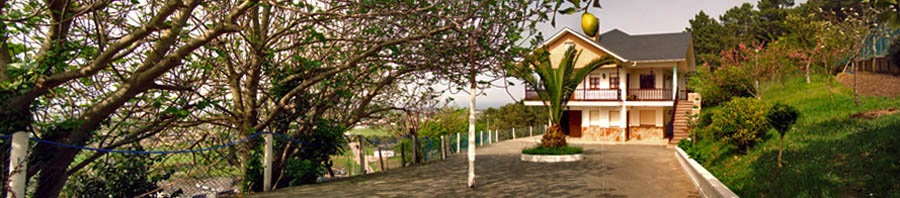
{"x": 709, "y": 185}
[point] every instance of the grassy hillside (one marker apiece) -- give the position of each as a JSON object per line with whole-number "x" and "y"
{"x": 827, "y": 154}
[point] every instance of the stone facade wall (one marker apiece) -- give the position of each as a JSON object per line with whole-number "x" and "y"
{"x": 595, "y": 133}
{"x": 603, "y": 134}
{"x": 646, "y": 133}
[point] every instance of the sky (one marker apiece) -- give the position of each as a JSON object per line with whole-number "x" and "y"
{"x": 630, "y": 16}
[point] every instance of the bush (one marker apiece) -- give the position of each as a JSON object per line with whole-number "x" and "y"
{"x": 894, "y": 52}
{"x": 728, "y": 84}
{"x": 781, "y": 117}
{"x": 691, "y": 150}
{"x": 565, "y": 150}
{"x": 741, "y": 122}
{"x": 305, "y": 165}
{"x": 705, "y": 118}
{"x": 118, "y": 175}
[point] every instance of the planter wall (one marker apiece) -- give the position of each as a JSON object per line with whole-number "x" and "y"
{"x": 552, "y": 158}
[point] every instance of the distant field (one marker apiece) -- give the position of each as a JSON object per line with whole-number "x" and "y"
{"x": 370, "y": 132}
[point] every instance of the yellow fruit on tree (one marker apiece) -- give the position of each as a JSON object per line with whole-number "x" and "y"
{"x": 589, "y": 24}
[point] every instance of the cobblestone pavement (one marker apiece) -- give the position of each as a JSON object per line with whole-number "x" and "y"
{"x": 607, "y": 171}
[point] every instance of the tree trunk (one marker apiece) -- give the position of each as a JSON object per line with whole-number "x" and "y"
{"x": 415, "y": 147}
{"x": 402, "y": 155}
{"x": 855, "y": 89}
{"x": 472, "y": 86}
{"x": 554, "y": 137}
{"x": 807, "y": 71}
{"x": 381, "y": 157}
{"x": 780, "y": 149}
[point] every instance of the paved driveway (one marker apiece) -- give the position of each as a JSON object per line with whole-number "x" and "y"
{"x": 607, "y": 171}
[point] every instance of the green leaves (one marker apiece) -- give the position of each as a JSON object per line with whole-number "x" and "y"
{"x": 568, "y": 11}
{"x": 555, "y": 85}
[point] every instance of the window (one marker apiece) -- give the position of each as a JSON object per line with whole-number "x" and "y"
{"x": 648, "y": 81}
{"x": 613, "y": 81}
{"x": 614, "y": 117}
{"x": 595, "y": 82}
{"x": 595, "y": 118}
{"x": 648, "y": 117}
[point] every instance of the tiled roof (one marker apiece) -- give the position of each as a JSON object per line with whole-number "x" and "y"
{"x": 648, "y": 46}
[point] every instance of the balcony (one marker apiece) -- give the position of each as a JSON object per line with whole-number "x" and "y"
{"x": 583, "y": 95}
{"x": 614, "y": 95}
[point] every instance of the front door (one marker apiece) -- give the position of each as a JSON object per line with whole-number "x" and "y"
{"x": 574, "y": 123}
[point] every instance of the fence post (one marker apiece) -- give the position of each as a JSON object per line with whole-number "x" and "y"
{"x": 443, "y": 149}
{"x": 514, "y": 133}
{"x": 381, "y": 157}
{"x": 458, "y": 141}
{"x": 482, "y": 139}
{"x": 496, "y": 135}
{"x": 362, "y": 156}
{"x": 267, "y": 160}
{"x": 490, "y": 137}
{"x": 18, "y": 164}
{"x": 530, "y": 131}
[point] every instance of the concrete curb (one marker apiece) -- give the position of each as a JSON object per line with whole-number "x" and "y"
{"x": 709, "y": 186}
{"x": 552, "y": 158}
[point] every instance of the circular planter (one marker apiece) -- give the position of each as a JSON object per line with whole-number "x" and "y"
{"x": 552, "y": 158}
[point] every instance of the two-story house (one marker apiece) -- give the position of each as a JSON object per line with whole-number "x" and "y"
{"x": 633, "y": 101}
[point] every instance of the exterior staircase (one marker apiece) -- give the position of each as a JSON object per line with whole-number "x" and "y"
{"x": 679, "y": 124}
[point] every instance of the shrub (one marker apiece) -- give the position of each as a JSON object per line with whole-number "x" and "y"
{"x": 741, "y": 122}
{"x": 565, "y": 150}
{"x": 781, "y": 117}
{"x": 721, "y": 85}
{"x": 691, "y": 150}
{"x": 118, "y": 175}
{"x": 894, "y": 52}
{"x": 705, "y": 118}
{"x": 305, "y": 164}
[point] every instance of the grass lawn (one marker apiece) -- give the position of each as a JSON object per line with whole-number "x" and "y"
{"x": 827, "y": 154}
{"x": 370, "y": 132}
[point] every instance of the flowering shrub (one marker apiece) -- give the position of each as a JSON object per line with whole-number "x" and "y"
{"x": 741, "y": 122}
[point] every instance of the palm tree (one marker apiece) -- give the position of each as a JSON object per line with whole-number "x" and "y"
{"x": 555, "y": 85}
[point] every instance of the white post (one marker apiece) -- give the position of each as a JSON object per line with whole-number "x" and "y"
{"x": 623, "y": 114}
{"x": 675, "y": 83}
{"x": 530, "y": 131}
{"x": 514, "y": 133}
{"x": 490, "y": 137}
{"x": 458, "y": 141}
{"x": 497, "y": 136}
{"x": 18, "y": 164}
{"x": 482, "y": 139}
{"x": 362, "y": 156}
{"x": 267, "y": 160}
{"x": 443, "y": 149}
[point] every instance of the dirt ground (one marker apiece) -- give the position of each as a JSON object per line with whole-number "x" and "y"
{"x": 873, "y": 84}
{"x": 607, "y": 171}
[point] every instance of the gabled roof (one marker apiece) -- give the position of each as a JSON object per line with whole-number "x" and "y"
{"x": 637, "y": 48}
{"x": 585, "y": 38}
{"x": 647, "y": 47}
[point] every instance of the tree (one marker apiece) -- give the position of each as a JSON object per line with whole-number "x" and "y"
{"x": 708, "y": 37}
{"x": 515, "y": 115}
{"x": 107, "y": 73}
{"x": 782, "y": 117}
{"x": 890, "y": 13}
{"x": 555, "y": 85}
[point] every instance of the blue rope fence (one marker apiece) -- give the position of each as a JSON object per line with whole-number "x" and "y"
{"x": 160, "y": 152}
